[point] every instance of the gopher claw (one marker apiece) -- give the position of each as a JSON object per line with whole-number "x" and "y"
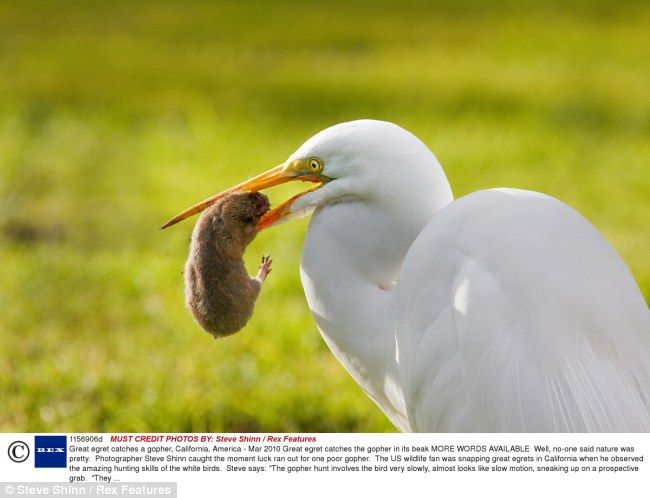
{"x": 265, "y": 268}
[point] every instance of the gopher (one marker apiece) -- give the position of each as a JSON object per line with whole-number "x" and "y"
{"x": 218, "y": 290}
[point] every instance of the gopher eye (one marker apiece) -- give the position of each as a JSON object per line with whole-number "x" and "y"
{"x": 315, "y": 165}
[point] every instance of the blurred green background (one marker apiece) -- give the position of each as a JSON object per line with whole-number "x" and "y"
{"x": 116, "y": 115}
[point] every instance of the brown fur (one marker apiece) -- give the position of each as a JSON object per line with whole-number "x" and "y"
{"x": 218, "y": 290}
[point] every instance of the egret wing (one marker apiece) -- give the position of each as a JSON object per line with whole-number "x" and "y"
{"x": 515, "y": 314}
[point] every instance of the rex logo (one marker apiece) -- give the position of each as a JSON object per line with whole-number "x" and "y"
{"x": 50, "y": 452}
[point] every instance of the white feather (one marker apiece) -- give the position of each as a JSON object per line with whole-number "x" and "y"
{"x": 550, "y": 332}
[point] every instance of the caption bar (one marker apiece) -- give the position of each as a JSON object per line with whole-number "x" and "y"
{"x": 99, "y": 458}
{"x": 89, "y": 490}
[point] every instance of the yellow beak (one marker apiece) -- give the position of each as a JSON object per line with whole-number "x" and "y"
{"x": 289, "y": 171}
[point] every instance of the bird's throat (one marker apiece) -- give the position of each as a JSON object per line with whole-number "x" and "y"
{"x": 351, "y": 257}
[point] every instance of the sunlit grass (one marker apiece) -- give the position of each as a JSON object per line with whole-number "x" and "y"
{"x": 114, "y": 116}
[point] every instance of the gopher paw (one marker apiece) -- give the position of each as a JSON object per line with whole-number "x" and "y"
{"x": 265, "y": 268}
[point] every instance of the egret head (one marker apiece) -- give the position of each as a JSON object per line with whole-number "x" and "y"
{"x": 362, "y": 160}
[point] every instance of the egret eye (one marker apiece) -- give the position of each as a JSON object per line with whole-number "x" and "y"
{"x": 315, "y": 165}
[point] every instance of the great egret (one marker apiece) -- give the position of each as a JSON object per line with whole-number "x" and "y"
{"x": 502, "y": 311}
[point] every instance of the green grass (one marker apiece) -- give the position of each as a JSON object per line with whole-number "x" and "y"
{"x": 116, "y": 115}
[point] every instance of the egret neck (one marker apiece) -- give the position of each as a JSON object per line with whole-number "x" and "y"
{"x": 351, "y": 258}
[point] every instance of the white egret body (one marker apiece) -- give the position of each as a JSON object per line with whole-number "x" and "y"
{"x": 504, "y": 310}
{"x": 510, "y": 312}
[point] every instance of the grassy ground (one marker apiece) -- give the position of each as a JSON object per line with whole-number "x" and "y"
{"x": 115, "y": 115}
